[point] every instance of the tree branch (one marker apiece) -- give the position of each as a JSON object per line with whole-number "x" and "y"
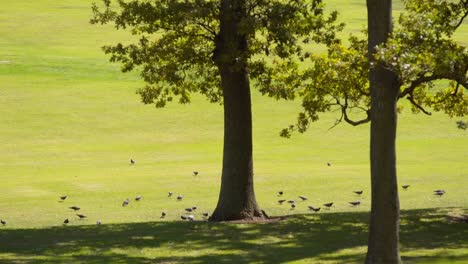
{"x": 414, "y": 84}
{"x": 411, "y": 99}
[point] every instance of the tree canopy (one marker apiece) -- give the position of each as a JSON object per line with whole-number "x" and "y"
{"x": 420, "y": 51}
{"x": 176, "y": 47}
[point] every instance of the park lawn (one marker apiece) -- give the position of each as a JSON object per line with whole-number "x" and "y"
{"x": 70, "y": 122}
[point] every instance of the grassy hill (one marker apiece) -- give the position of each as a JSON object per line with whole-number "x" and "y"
{"x": 70, "y": 122}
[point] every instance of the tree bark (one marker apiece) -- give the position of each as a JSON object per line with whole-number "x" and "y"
{"x": 383, "y": 244}
{"x": 237, "y": 198}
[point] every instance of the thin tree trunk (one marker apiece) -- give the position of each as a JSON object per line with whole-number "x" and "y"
{"x": 237, "y": 197}
{"x": 383, "y": 244}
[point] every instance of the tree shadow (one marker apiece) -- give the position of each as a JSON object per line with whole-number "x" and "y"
{"x": 298, "y": 237}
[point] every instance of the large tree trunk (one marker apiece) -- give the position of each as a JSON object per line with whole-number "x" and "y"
{"x": 385, "y": 210}
{"x": 237, "y": 197}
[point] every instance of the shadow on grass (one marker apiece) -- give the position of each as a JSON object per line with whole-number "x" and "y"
{"x": 318, "y": 236}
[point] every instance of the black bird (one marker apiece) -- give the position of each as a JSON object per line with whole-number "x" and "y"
{"x": 281, "y": 201}
{"x": 291, "y": 201}
{"x": 358, "y": 192}
{"x": 328, "y": 204}
{"x": 280, "y": 193}
{"x": 405, "y": 187}
{"x": 329, "y": 164}
{"x": 188, "y": 210}
{"x": 132, "y": 161}
{"x": 303, "y": 198}
{"x": 314, "y": 209}
{"x": 355, "y": 203}
{"x": 194, "y": 208}
{"x": 163, "y": 214}
{"x": 195, "y": 173}
{"x": 138, "y": 198}
{"x": 293, "y": 205}
{"x": 183, "y": 217}
{"x": 180, "y": 197}
{"x": 74, "y": 208}
{"x": 205, "y": 214}
{"x": 81, "y": 216}
{"x": 439, "y": 192}
{"x": 4, "y": 222}
{"x": 63, "y": 197}
{"x": 66, "y": 221}
{"x": 125, "y": 202}
{"x": 169, "y": 194}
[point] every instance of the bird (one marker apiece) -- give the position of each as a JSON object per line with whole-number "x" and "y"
{"x": 125, "y": 202}
{"x": 303, "y": 198}
{"x": 66, "y": 221}
{"x": 81, "y": 216}
{"x": 355, "y": 203}
{"x": 4, "y": 222}
{"x": 205, "y": 214}
{"x": 132, "y": 161}
{"x": 195, "y": 173}
{"x": 329, "y": 164}
{"x": 281, "y": 201}
{"x": 98, "y": 222}
{"x": 138, "y": 198}
{"x": 188, "y": 210}
{"x": 405, "y": 187}
{"x": 183, "y": 217}
{"x": 291, "y": 201}
{"x": 358, "y": 192}
{"x": 169, "y": 194}
{"x": 190, "y": 217}
{"x": 314, "y": 209}
{"x": 163, "y": 214}
{"x": 439, "y": 192}
{"x": 74, "y": 208}
{"x": 180, "y": 197}
{"x": 328, "y": 204}
{"x": 63, "y": 197}
{"x": 280, "y": 193}
{"x": 194, "y": 208}
{"x": 293, "y": 205}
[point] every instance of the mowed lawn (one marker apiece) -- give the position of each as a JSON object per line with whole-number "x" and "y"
{"x": 70, "y": 122}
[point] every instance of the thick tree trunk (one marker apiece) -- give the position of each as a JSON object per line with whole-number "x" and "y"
{"x": 237, "y": 197}
{"x": 383, "y": 244}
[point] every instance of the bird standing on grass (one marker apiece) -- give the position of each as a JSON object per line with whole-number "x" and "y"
{"x": 81, "y": 216}
{"x": 303, "y": 198}
{"x": 163, "y": 214}
{"x": 169, "y": 194}
{"x": 358, "y": 192}
{"x": 188, "y": 210}
{"x": 74, "y": 208}
{"x": 280, "y": 193}
{"x": 66, "y": 221}
{"x": 314, "y": 209}
{"x": 281, "y": 201}
{"x": 98, "y": 222}
{"x": 132, "y": 161}
{"x": 439, "y": 192}
{"x": 355, "y": 203}
{"x": 180, "y": 197}
{"x": 205, "y": 215}
{"x": 138, "y": 198}
{"x": 125, "y": 202}
{"x": 293, "y": 205}
{"x": 405, "y": 187}
{"x": 328, "y": 205}
{"x": 63, "y": 197}
{"x": 195, "y": 173}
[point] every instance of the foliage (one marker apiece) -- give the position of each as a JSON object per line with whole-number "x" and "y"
{"x": 420, "y": 51}
{"x": 178, "y": 38}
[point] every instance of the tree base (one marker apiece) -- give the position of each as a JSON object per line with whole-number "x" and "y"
{"x": 247, "y": 215}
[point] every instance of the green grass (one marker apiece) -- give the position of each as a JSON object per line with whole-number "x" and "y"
{"x": 70, "y": 121}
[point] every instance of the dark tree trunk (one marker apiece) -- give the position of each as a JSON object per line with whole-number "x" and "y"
{"x": 237, "y": 197}
{"x": 385, "y": 210}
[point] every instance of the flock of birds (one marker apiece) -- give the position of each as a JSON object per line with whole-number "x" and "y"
{"x": 189, "y": 213}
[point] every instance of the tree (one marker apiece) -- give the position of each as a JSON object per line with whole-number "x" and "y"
{"x": 366, "y": 80}
{"x": 215, "y": 48}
